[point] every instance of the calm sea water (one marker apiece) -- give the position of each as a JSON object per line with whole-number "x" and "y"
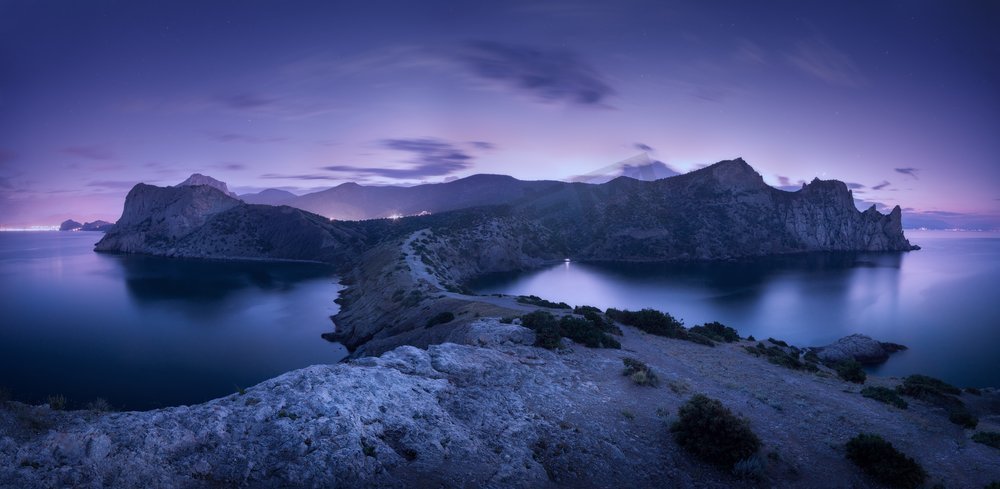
{"x": 145, "y": 332}
{"x": 942, "y": 301}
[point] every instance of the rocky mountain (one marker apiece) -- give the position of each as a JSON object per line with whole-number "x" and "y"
{"x": 97, "y": 225}
{"x": 350, "y": 201}
{"x": 271, "y": 196}
{"x": 202, "y": 221}
{"x": 70, "y": 225}
{"x": 199, "y": 179}
{"x": 639, "y": 167}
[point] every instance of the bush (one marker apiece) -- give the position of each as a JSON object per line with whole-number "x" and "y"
{"x": 546, "y": 329}
{"x": 441, "y": 318}
{"x": 57, "y": 402}
{"x": 751, "y": 468}
{"x": 884, "y": 394}
{"x": 100, "y": 405}
{"x": 927, "y": 388}
{"x": 962, "y": 417}
{"x": 851, "y": 371}
{"x": 881, "y": 461}
{"x": 534, "y": 300}
{"x": 713, "y": 433}
{"x": 988, "y": 438}
{"x": 717, "y": 331}
{"x": 639, "y": 372}
{"x": 586, "y": 332}
{"x": 778, "y": 356}
{"x": 650, "y": 321}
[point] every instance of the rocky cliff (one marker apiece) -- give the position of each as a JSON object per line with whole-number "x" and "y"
{"x": 202, "y": 221}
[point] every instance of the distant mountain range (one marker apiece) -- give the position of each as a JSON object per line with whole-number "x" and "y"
{"x": 639, "y": 167}
{"x": 98, "y": 225}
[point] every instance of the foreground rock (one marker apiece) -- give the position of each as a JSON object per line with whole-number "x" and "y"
{"x": 858, "y": 347}
{"x": 494, "y": 413}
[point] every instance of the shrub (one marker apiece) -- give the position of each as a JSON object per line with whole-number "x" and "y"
{"x": 100, "y": 405}
{"x": 717, "y": 331}
{"x": 650, "y": 321}
{"x": 441, "y": 318}
{"x": 534, "y": 300}
{"x": 778, "y": 342}
{"x": 57, "y": 402}
{"x": 751, "y": 468}
{"x": 586, "y": 332}
{"x": 884, "y": 394}
{"x": 778, "y": 356}
{"x": 639, "y": 372}
{"x": 851, "y": 371}
{"x": 713, "y": 433}
{"x": 881, "y": 461}
{"x": 988, "y": 438}
{"x": 962, "y": 417}
{"x": 974, "y": 391}
{"x": 546, "y": 329}
{"x": 927, "y": 388}
{"x": 507, "y": 320}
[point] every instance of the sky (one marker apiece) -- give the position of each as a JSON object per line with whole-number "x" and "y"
{"x": 901, "y": 100}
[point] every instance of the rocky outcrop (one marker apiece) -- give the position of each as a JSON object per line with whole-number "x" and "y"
{"x": 97, "y": 225}
{"x": 70, "y": 225}
{"x": 488, "y": 411}
{"x": 201, "y": 221}
{"x": 858, "y": 347}
{"x": 199, "y": 179}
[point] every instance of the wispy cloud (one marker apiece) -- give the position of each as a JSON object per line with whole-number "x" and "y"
{"x": 429, "y": 158}
{"x": 231, "y": 137}
{"x": 113, "y": 184}
{"x": 231, "y": 166}
{"x": 282, "y": 176}
{"x": 90, "y": 152}
{"x": 908, "y": 171}
{"x": 818, "y": 58}
{"x": 552, "y": 76}
{"x": 483, "y": 145}
{"x": 642, "y": 147}
{"x": 884, "y": 184}
{"x": 854, "y": 186}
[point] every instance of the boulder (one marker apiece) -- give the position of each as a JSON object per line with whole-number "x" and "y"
{"x": 858, "y": 347}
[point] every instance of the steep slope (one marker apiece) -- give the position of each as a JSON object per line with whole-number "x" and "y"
{"x": 350, "y": 201}
{"x": 201, "y": 221}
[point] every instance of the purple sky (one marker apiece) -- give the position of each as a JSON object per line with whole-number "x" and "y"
{"x": 900, "y": 99}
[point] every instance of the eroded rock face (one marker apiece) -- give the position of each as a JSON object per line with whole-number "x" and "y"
{"x": 858, "y": 347}
{"x": 199, "y": 179}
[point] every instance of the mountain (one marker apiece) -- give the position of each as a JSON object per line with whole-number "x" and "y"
{"x": 350, "y": 201}
{"x": 97, "y": 225}
{"x": 199, "y": 179}
{"x": 70, "y": 225}
{"x": 271, "y": 196}
{"x": 639, "y": 167}
{"x": 202, "y": 221}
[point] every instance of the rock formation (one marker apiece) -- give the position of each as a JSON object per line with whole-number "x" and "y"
{"x": 70, "y": 225}
{"x": 199, "y": 179}
{"x": 858, "y": 347}
{"x": 97, "y": 225}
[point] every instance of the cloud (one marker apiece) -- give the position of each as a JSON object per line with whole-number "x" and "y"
{"x": 5, "y": 183}
{"x": 231, "y": 166}
{"x": 230, "y": 137}
{"x": 285, "y": 101}
{"x": 91, "y": 152}
{"x": 430, "y": 158}
{"x": 553, "y": 76}
{"x": 908, "y": 171}
{"x": 820, "y": 59}
{"x": 884, "y": 184}
{"x": 484, "y": 145}
{"x": 113, "y": 184}
{"x": 854, "y": 186}
{"x": 280, "y": 176}
{"x": 643, "y": 147}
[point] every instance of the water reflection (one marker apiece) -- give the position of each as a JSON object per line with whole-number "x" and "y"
{"x": 939, "y": 301}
